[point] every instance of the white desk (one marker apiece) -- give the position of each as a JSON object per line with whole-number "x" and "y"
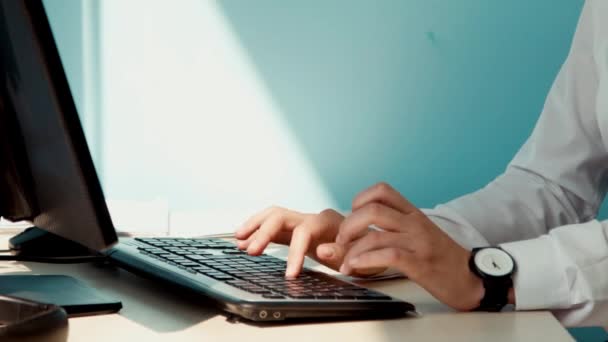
{"x": 153, "y": 313}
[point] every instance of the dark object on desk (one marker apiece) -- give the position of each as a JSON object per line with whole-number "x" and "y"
{"x": 37, "y": 245}
{"x": 74, "y": 296}
{"x": 589, "y": 334}
{"x": 70, "y": 204}
{"x": 35, "y": 242}
{"x": 26, "y": 321}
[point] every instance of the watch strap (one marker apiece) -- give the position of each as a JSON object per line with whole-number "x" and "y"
{"x": 496, "y": 294}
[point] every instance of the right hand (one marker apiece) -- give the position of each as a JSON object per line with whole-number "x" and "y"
{"x": 305, "y": 234}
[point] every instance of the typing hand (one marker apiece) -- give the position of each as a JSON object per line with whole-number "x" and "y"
{"x": 409, "y": 242}
{"x": 306, "y": 234}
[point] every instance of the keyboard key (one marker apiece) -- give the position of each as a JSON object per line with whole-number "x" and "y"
{"x": 189, "y": 264}
{"x": 180, "y": 260}
{"x": 219, "y": 276}
{"x": 196, "y": 257}
{"x": 237, "y": 282}
{"x": 208, "y": 246}
{"x": 261, "y": 291}
{"x": 273, "y": 296}
{"x": 152, "y": 250}
{"x": 201, "y": 252}
{"x": 233, "y": 252}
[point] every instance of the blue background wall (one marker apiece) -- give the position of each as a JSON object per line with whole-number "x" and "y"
{"x": 432, "y": 96}
{"x": 65, "y": 17}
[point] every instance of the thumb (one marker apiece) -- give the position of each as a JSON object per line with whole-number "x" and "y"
{"x": 332, "y": 255}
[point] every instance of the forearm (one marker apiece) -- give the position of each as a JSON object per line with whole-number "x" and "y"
{"x": 518, "y": 205}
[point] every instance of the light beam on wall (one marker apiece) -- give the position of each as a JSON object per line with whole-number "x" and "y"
{"x": 187, "y": 118}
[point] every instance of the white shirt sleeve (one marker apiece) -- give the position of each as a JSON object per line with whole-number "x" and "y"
{"x": 542, "y": 209}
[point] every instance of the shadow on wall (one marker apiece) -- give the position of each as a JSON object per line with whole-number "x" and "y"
{"x": 432, "y": 96}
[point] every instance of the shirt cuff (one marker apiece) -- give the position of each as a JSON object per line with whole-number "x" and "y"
{"x": 539, "y": 282}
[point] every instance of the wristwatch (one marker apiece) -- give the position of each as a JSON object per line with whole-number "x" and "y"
{"x": 495, "y": 267}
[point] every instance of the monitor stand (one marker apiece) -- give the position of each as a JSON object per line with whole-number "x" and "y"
{"x": 36, "y": 242}
{"x": 76, "y": 297}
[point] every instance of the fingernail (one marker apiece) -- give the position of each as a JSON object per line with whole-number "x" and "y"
{"x": 253, "y": 247}
{"x": 327, "y": 252}
{"x": 344, "y": 269}
{"x": 289, "y": 274}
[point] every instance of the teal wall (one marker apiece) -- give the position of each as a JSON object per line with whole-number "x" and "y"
{"x": 433, "y": 96}
{"x": 74, "y": 26}
{"x": 65, "y": 18}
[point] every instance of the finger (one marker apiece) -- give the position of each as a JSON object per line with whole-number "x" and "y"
{"x": 385, "y": 194}
{"x": 331, "y": 254}
{"x": 386, "y": 257}
{"x": 243, "y": 244}
{"x": 265, "y": 234}
{"x": 371, "y": 214}
{"x": 253, "y": 223}
{"x": 372, "y": 241}
{"x": 315, "y": 230}
{"x": 282, "y": 237}
{"x": 300, "y": 243}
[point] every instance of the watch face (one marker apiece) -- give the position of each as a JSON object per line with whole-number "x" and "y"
{"x": 494, "y": 262}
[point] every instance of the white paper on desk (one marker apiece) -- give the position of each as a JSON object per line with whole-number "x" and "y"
{"x": 8, "y": 225}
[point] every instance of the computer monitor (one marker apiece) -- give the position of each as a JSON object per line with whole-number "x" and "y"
{"x": 46, "y": 171}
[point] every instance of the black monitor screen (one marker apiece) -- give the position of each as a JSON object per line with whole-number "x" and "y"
{"x": 34, "y": 91}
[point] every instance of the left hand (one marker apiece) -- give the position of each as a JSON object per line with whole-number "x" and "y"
{"x": 411, "y": 243}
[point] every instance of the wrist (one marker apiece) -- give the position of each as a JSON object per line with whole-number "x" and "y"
{"x": 512, "y": 296}
{"x": 474, "y": 290}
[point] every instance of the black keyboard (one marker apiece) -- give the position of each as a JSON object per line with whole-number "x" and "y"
{"x": 263, "y": 275}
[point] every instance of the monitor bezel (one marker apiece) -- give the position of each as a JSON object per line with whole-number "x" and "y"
{"x": 35, "y": 12}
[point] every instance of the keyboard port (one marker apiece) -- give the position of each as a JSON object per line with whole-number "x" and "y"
{"x": 263, "y": 314}
{"x": 276, "y": 314}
